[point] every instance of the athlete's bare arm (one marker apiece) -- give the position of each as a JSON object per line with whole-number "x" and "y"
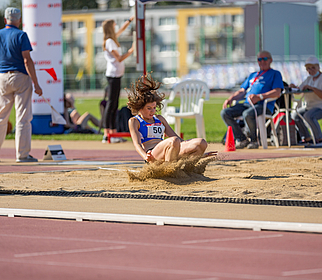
{"x": 134, "y": 126}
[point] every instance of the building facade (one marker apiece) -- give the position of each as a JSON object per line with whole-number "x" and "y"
{"x": 288, "y": 30}
{"x": 177, "y": 38}
{"x": 181, "y": 39}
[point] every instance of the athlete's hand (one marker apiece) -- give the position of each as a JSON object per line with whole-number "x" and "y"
{"x": 149, "y": 157}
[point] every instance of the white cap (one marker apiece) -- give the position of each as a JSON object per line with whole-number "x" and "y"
{"x": 312, "y": 60}
{"x": 12, "y": 14}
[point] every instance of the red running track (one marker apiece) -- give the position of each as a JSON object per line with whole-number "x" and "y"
{"x": 32, "y": 248}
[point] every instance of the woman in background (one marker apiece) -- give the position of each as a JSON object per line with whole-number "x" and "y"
{"x": 114, "y": 72}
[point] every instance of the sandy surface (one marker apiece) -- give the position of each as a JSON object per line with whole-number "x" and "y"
{"x": 285, "y": 178}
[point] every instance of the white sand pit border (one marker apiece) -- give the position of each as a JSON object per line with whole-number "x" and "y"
{"x": 165, "y": 220}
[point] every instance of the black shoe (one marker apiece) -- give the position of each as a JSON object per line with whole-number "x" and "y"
{"x": 252, "y": 145}
{"x": 241, "y": 144}
{"x": 305, "y": 142}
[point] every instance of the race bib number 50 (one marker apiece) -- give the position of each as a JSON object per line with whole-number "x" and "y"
{"x": 155, "y": 131}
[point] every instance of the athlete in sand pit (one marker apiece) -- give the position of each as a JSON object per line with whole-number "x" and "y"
{"x": 147, "y": 129}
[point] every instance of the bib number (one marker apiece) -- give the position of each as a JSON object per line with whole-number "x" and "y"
{"x": 155, "y": 132}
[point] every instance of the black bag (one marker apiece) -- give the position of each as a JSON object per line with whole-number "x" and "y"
{"x": 122, "y": 119}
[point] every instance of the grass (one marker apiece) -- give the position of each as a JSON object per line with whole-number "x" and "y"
{"x": 215, "y": 127}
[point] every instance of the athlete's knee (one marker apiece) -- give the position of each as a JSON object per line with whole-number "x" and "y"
{"x": 201, "y": 145}
{"x": 174, "y": 142}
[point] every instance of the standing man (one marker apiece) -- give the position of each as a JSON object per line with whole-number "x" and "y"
{"x": 17, "y": 73}
{"x": 266, "y": 83}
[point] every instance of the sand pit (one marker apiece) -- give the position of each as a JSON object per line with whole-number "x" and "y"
{"x": 183, "y": 168}
{"x": 285, "y": 178}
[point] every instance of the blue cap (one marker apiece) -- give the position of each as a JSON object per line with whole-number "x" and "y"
{"x": 12, "y": 14}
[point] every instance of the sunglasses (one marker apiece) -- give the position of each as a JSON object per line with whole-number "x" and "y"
{"x": 263, "y": 58}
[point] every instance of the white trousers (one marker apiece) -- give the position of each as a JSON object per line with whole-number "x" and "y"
{"x": 16, "y": 88}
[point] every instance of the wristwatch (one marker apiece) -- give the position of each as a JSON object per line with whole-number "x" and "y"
{"x": 261, "y": 96}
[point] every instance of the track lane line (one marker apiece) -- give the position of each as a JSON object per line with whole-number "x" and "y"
{"x": 61, "y": 252}
{"x": 177, "y": 246}
{"x": 302, "y": 272}
{"x": 231, "y": 239}
{"x": 152, "y": 270}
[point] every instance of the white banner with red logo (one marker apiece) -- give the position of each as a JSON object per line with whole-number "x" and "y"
{"x": 42, "y": 21}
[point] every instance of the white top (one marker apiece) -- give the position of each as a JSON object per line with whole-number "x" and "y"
{"x": 311, "y": 99}
{"x": 114, "y": 68}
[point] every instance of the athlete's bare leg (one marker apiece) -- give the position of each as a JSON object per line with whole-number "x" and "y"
{"x": 167, "y": 150}
{"x": 193, "y": 147}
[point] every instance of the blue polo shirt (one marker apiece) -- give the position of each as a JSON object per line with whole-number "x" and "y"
{"x": 13, "y": 42}
{"x": 266, "y": 81}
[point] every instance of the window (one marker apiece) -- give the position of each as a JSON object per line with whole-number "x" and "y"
{"x": 167, "y": 21}
{"x": 191, "y": 21}
{"x": 211, "y": 20}
{"x": 98, "y": 23}
{"x": 238, "y": 19}
{"x": 168, "y": 48}
{"x": 81, "y": 24}
{"x": 81, "y": 50}
{"x": 192, "y": 47}
{"x": 98, "y": 50}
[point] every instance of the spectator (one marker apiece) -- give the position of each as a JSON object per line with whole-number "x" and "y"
{"x": 73, "y": 117}
{"x": 17, "y": 73}
{"x": 114, "y": 72}
{"x": 312, "y": 112}
{"x": 266, "y": 83}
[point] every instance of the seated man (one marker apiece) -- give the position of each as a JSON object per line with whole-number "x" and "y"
{"x": 266, "y": 83}
{"x": 312, "y": 112}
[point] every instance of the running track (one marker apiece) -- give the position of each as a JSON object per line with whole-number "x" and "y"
{"x": 33, "y": 248}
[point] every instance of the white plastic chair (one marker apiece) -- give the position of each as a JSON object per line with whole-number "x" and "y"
{"x": 169, "y": 109}
{"x": 264, "y": 121}
{"x": 191, "y": 104}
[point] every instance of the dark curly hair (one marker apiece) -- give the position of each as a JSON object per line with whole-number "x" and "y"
{"x": 145, "y": 90}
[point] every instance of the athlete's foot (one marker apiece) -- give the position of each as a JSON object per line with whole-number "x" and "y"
{"x": 210, "y": 154}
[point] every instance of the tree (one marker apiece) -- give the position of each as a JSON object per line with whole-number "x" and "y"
{"x": 15, "y": 3}
{"x": 12, "y": 3}
{"x": 1, "y": 20}
{"x": 79, "y": 4}
{"x": 171, "y": 3}
{"x": 87, "y": 4}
